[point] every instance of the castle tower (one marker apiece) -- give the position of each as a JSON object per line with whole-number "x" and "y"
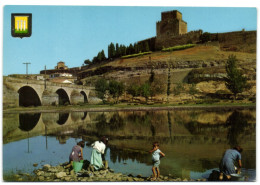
{"x": 171, "y": 25}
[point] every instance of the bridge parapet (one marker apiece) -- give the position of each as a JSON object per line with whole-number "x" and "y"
{"x": 42, "y": 82}
{"x": 34, "y": 92}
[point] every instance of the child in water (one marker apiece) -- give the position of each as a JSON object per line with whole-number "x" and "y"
{"x": 156, "y": 153}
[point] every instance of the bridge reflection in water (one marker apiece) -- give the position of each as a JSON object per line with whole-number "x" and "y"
{"x": 193, "y": 140}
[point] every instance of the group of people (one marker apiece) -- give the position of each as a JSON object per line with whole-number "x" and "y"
{"x": 226, "y": 167}
{"x": 96, "y": 161}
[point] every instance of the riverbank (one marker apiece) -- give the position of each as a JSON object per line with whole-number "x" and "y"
{"x": 58, "y": 173}
{"x": 126, "y": 107}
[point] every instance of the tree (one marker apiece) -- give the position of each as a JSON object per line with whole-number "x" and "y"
{"x": 95, "y": 60}
{"x": 117, "y": 50}
{"x": 111, "y": 50}
{"x": 87, "y": 62}
{"x": 133, "y": 90}
{"x": 178, "y": 89}
{"x": 192, "y": 90}
{"x": 116, "y": 89}
{"x": 145, "y": 90}
{"x": 123, "y": 50}
{"x": 235, "y": 81}
{"x": 205, "y": 37}
{"x": 103, "y": 56}
{"x": 101, "y": 87}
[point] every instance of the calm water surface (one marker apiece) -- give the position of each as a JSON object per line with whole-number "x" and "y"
{"x": 193, "y": 140}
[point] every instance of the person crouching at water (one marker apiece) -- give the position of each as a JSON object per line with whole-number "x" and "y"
{"x": 227, "y": 166}
{"x": 98, "y": 150}
{"x": 156, "y": 153}
{"x": 76, "y": 153}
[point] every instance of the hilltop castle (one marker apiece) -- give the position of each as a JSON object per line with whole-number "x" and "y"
{"x": 172, "y": 31}
{"x": 171, "y": 25}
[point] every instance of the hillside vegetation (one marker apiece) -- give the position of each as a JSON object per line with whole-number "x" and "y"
{"x": 201, "y": 65}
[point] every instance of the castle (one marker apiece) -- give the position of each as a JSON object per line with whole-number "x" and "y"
{"x": 171, "y": 25}
{"x": 172, "y": 31}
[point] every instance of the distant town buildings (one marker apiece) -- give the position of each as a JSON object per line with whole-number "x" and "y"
{"x": 61, "y": 65}
{"x": 61, "y": 73}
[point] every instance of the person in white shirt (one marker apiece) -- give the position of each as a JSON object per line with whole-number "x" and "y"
{"x": 97, "y": 152}
{"x": 156, "y": 155}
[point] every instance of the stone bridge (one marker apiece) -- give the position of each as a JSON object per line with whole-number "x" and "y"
{"x": 27, "y": 92}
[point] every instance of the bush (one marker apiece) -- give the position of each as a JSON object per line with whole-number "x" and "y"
{"x": 178, "y": 89}
{"x": 207, "y": 101}
{"x": 136, "y": 55}
{"x": 181, "y": 47}
{"x": 252, "y": 99}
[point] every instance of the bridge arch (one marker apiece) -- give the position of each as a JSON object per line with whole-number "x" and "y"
{"x": 85, "y": 96}
{"x": 28, "y": 97}
{"x": 63, "y": 97}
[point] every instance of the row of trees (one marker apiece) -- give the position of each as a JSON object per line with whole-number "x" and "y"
{"x": 116, "y": 50}
{"x": 100, "y": 57}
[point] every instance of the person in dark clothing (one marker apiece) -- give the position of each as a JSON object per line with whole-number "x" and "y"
{"x": 227, "y": 164}
{"x": 76, "y": 153}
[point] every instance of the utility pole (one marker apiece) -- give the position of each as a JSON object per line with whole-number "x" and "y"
{"x": 27, "y": 67}
{"x": 45, "y": 78}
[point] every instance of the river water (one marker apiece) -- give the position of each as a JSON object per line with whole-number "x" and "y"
{"x": 192, "y": 140}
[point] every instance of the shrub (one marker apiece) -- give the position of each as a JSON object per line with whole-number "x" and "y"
{"x": 178, "y": 89}
{"x": 180, "y": 47}
{"x": 136, "y": 55}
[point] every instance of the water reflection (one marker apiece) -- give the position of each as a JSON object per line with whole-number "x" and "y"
{"x": 63, "y": 117}
{"x": 237, "y": 123}
{"x": 193, "y": 140}
{"x": 115, "y": 122}
{"x": 28, "y": 121}
{"x": 84, "y": 116}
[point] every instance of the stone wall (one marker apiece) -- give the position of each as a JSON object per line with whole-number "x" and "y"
{"x": 10, "y": 97}
{"x": 190, "y": 37}
{"x": 150, "y": 41}
{"x": 244, "y": 41}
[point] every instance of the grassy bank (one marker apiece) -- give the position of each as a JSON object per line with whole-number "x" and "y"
{"x": 126, "y": 107}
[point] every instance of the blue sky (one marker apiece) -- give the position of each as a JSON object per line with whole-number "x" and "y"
{"x": 75, "y": 33}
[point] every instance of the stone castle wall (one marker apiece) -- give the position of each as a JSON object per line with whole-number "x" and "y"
{"x": 190, "y": 37}
{"x": 172, "y": 31}
{"x": 244, "y": 41}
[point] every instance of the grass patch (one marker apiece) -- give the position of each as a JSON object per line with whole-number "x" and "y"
{"x": 136, "y": 55}
{"x": 180, "y": 47}
{"x": 108, "y": 107}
